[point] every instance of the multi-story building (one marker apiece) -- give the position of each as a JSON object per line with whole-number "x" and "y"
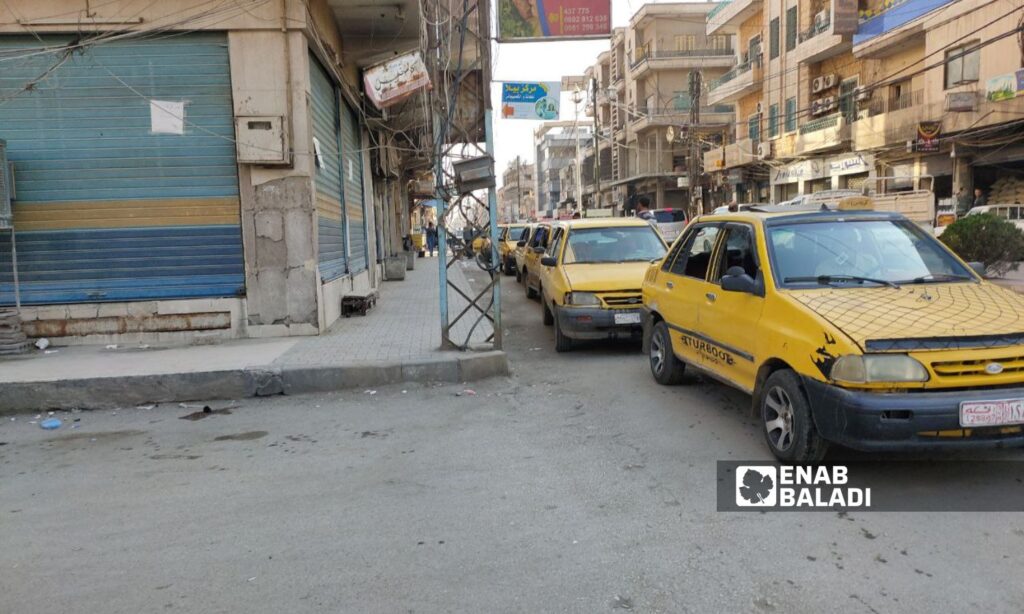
{"x": 517, "y": 199}
{"x": 555, "y": 145}
{"x": 643, "y": 103}
{"x": 841, "y": 94}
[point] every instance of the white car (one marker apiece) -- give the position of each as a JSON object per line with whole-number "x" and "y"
{"x": 740, "y": 207}
{"x": 669, "y": 222}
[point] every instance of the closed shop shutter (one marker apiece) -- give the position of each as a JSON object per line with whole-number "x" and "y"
{"x": 328, "y": 162}
{"x": 817, "y": 185}
{"x": 856, "y": 182}
{"x": 355, "y": 211}
{"x": 124, "y": 157}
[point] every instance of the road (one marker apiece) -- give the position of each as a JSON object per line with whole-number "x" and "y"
{"x": 575, "y": 485}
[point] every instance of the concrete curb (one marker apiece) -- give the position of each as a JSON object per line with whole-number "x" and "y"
{"x": 106, "y": 392}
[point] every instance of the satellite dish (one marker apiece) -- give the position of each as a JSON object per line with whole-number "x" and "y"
{"x": 670, "y": 134}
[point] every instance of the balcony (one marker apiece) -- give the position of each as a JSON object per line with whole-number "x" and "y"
{"x": 821, "y": 134}
{"x": 884, "y": 31}
{"x": 736, "y": 154}
{"x": 727, "y": 16}
{"x": 685, "y": 59}
{"x": 745, "y": 79}
{"x": 829, "y": 34}
{"x": 679, "y": 115}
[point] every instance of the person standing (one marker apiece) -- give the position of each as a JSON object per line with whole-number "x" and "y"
{"x": 643, "y": 208}
{"x": 963, "y": 203}
{"x": 980, "y": 200}
{"x": 431, "y": 238}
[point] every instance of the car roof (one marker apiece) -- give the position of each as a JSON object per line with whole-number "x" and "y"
{"x": 604, "y": 222}
{"x": 781, "y": 214}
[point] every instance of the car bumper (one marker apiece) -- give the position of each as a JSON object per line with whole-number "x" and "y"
{"x": 597, "y": 323}
{"x": 875, "y": 421}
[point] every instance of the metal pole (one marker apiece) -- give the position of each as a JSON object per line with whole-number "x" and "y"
{"x": 492, "y": 206}
{"x": 519, "y": 193}
{"x": 442, "y": 239}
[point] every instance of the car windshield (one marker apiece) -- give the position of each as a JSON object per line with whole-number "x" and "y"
{"x": 624, "y": 244}
{"x": 667, "y": 216}
{"x": 859, "y": 252}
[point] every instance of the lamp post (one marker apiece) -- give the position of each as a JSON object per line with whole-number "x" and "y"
{"x": 577, "y": 97}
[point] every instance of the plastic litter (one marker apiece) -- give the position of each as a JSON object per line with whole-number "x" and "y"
{"x": 50, "y": 424}
{"x": 42, "y": 343}
{"x": 51, "y": 351}
{"x": 112, "y": 346}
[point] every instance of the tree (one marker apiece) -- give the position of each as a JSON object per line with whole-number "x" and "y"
{"x": 988, "y": 239}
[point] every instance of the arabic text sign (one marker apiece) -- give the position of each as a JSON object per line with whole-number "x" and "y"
{"x": 395, "y": 80}
{"x": 523, "y": 20}
{"x": 532, "y": 100}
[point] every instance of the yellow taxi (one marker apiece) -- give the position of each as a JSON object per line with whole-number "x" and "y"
{"x": 519, "y": 253}
{"x": 510, "y": 235}
{"x": 590, "y": 275}
{"x": 535, "y": 247}
{"x": 846, "y": 326}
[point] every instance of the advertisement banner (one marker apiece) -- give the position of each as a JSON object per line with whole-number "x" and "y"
{"x": 530, "y": 100}
{"x": 1001, "y": 87}
{"x": 393, "y": 81}
{"x": 928, "y": 136}
{"x": 533, "y": 20}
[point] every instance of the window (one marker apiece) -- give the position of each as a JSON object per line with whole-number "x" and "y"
{"x": 754, "y": 127}
{"x": 696, "y": 255}
{"x": 556, "y": 243}
{"x": 540, "y": 238}
{"x": 773, "y": 121}
{"x": 962, "y": 65}
{"x": 773, "y": 39}
{"x": 754, "y": 49}
{"x": 738, "y": 251}
{"x": 685, "y": 42}
{"x": 791, "y": 23}
{"x": 791, "y": 114}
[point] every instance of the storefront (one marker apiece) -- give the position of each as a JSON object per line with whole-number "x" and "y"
{"x": 816, "y": 174}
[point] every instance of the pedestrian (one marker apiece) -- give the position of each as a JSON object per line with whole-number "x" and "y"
{"x": 643, "y": 208}
{"x": 734, "y": 206}
{"x": 963, "y": 203}
{"x": 431, "y": 238}
{"x": 980, "y": 200}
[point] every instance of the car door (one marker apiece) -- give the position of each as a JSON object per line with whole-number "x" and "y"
{"x": 728, "y": 320}
{"x": 680, "y": 288}
{"x": 552, "y": 280}
{"x": 531, "y": 261}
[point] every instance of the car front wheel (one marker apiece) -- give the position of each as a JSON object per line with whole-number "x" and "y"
{"x": 787, "y": 421}
{"x": 665, "y": 367}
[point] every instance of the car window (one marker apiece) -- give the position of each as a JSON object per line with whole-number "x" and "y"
{"x": 668, "y": 216}
{"x": 524, "y": 234}
{"x": 556, "y": 242}
{"x": 696, "y": 256}
{"x": 677, "y": 249}
{"x": 540, "y": 238}
{"x": 737, "y": 251}
{"x": 613, "y": 244}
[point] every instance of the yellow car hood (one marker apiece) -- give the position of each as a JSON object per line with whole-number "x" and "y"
{"x": 923, "y": 311}
{"x": 608, "y": 277}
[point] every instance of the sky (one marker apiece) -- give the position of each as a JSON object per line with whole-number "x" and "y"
{"x": 543, "y": 62}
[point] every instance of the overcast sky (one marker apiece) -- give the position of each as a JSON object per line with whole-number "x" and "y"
{"x": 543, "y": 62}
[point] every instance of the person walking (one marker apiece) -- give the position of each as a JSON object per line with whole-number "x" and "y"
{"x": 431, "y": 238}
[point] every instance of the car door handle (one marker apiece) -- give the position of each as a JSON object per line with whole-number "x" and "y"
{"x": 669, "y": 285}
{"x": 711, "y": 296}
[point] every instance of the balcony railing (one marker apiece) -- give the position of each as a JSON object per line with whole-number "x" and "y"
{"x": 735, "y": 72}
{"x": 702, "y": 52}
{"x": 819, "y": 27}
{"x": 717, "y": 10}
{"x": 895, "y": 103}
{"x": 680, "y": 109}
{"x": 815, "y": 125}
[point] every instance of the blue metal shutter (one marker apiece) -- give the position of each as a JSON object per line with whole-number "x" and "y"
{"x": 355, "y": 213}
{"x": 107, "y": 209}
{"x": 330, "y": 217}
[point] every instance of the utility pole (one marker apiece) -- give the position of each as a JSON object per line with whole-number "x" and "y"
{"x": 597, "y": 144}
{"x": 577, "y": 97}
{"x": 519, "y": 194}
{"x": 694, "y": 170}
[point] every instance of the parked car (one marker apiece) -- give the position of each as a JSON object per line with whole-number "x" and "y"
{"x": 509, "y": 236}
{"x": 821, "y": 197}
{"x": 538, "y": 244}
{"x": 590, "y": 276}
{"x": 851, "y": 327}
{"x": 669, "y": 222}
{"x": 740, "y": 207}
{"x": 519, "y": 253}
{"x": 1011, "y": 213}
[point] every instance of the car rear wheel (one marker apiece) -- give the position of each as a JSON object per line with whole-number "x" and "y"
{"x": 665, "y": 367}
{"x": 530, "y": 292}
{"x": 787, "y": 421}
{"x": 562, "y": 343}
{"x": 548, "y": 318}
{"x": 519, "y": 275}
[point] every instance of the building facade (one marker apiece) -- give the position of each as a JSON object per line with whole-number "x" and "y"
{"x": 191, "y": 170}
{"x": 517, "y": 201}
{"x": 555, "y": 146}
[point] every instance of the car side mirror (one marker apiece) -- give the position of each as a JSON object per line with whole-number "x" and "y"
{"x": 538, "y": 250}
{"x": 548, "y": 261}
{"x": 521, "y": 243}
{"x": 979, "y": 268}
{"x": 737, "y": 280}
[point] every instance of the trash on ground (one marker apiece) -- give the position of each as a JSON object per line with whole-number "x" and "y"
{"x": 50, "y": 424}
{"x": 51, "y": 351}
{"x": 208, "y": 411}
{"x": 42, "y": 343}
{"x": 112, "y": 346}
{"x": 469, "y": 392}
{"x": 145, "y": 407}
{"x": 370, "y": 392}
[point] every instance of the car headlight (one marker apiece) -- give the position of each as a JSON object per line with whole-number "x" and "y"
{"x": 582, "y": 299}
{"x": 878, "y": 368}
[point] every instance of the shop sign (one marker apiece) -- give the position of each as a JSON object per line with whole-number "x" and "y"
{"x": 961, "y": 101}
{"x": 539, "y": 20}
{"x": 1001, "y": 87}
{"x": 537, "y": 100}
{"x": 734, "y": 177}
{"x": 395, "y": 80}
{"x": 820, "y": 168}
{"x": 928, "y": 136}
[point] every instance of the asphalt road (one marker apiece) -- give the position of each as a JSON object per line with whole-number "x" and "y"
{"x": 576, "y": 485}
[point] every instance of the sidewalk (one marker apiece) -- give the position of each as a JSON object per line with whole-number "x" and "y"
{"x": 397, "y": 341}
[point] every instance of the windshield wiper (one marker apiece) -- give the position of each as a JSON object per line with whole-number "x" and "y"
{"x": 828, "y": 279}
{"x": 936, "y": 277}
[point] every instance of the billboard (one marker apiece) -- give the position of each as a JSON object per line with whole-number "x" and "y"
{"x": 530, "y": 100}
{"x": 395, "y": 80}
{"x": 533, "y": 20}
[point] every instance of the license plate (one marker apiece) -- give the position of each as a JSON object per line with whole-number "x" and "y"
{"x": 627, "y": 318}
{"x": 992, "y": 413}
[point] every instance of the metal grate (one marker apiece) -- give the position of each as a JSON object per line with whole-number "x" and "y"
{"x": 6, "y": 217}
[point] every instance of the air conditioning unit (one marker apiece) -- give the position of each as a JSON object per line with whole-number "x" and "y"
{"x": 760, "y": 107}
{"x": 816, "y": 107}
{"x": 830, "y": 81}
{"x": 863, "y": 94}
{"x": 821, "y": 21}
{"x": 817, "y": 84}
{"x": 764, "y": 150}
